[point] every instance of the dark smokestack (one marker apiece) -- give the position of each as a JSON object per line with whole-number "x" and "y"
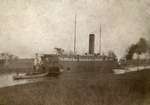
{"x": 91, "y": 43}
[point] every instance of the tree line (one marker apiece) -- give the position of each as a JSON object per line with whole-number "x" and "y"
{"x": 142, "y": 46}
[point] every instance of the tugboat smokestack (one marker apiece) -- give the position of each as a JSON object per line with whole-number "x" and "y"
{"x": 91, "y": 43}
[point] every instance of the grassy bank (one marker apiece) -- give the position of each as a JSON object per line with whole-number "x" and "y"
{"x": 128, "y": 89}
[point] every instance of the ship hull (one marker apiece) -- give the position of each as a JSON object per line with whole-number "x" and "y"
{"x": 88, "y": 66}
{"x": 78, "y": 64}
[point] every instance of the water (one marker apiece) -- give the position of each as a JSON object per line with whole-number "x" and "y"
{"x": 7, "y": 80}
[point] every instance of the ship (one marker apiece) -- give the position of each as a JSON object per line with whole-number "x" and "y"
{"x": 89, "y": 62}
{"x": 79, "y": 63}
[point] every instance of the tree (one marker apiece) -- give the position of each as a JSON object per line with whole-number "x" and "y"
{"x": 140, "y": 47}
{"x": 131, "y": 50}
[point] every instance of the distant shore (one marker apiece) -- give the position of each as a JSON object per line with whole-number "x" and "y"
{"x": 19, "y": 65}
{"x": 17, "y": 70}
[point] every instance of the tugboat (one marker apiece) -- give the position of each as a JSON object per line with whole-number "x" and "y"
{"x": 51, "y": 64}
{"x": 45, "y": 65}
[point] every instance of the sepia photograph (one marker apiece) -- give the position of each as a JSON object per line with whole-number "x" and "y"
{"x": 74, "y": 52}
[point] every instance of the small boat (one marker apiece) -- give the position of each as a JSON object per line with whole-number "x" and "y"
{"x": 29, "y": 76}
{"x": 120, "y": 70}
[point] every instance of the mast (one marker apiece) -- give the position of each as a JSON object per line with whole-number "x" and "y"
{"x": 75, "y": 34}
{"x": 100, "y": 41}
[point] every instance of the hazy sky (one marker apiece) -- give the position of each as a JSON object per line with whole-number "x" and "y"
{"x": 30, "y": 26}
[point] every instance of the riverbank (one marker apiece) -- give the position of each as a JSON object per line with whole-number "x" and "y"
{"x": 131, "y": 89}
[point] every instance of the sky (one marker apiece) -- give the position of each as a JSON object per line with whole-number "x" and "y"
{"x": 37, "y": 26}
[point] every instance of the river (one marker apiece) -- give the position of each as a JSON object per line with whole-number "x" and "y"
{"x": 7, "y": 79}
